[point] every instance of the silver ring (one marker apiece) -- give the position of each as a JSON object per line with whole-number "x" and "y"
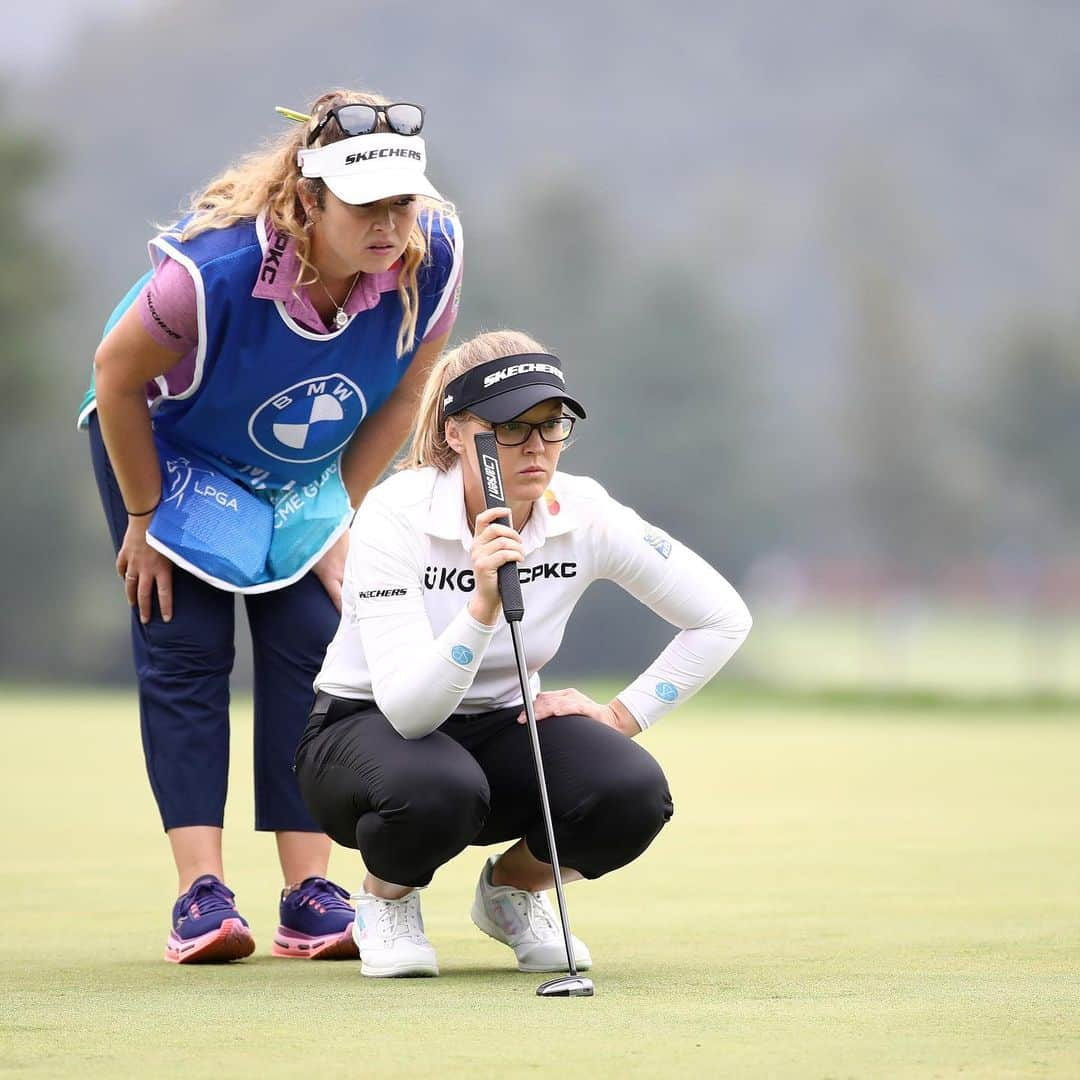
{"x": 131, "y": 577}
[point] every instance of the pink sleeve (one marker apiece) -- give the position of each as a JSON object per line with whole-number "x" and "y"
{"x": 168, "y": 309}
{"x": 449, "y": 315}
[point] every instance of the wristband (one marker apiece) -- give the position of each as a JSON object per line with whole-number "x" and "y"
{"x": 144, "y": 513}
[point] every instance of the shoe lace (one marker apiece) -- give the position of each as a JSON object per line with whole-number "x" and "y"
{"x": 324, "y": 895}
{"x": 210, "y": 896}
{"x": 398, "y": 918}
{"x": 393, "y": 920}
{"x": 535, "y": 908}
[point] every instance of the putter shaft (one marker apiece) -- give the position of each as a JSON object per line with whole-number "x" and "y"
{"x": 534, "y": 735}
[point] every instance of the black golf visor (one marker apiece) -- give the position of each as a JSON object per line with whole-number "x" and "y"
{"x": 500, "y": 390}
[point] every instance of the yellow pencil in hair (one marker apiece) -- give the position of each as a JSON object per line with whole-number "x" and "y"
{"x": 292, "y": 114}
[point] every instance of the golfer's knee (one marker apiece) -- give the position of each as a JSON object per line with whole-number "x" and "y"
{"x": 414, "y": 832}
{"x": 454, "y": 803}
{"x": 636, "y": 802}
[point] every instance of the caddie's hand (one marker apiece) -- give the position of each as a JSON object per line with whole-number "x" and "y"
{"x": 330, "y": 569}
{"x": 143, "y": 570}
{"x": 571, "y": 702}
{"x": 494, "y": 544}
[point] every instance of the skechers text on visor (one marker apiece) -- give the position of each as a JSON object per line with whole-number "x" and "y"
{"x": 501, "y": 389}
{"x": 366, "y": 168}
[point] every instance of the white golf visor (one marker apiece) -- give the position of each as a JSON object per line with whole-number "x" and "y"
{"x": 365, "y": 168}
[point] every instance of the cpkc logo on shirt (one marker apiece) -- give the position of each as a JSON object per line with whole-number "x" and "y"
{"x": 309, "y": 420}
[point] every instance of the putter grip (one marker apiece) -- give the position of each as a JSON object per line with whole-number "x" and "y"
{"x": 487, "y": 456}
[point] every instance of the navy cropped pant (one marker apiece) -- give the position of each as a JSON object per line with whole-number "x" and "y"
{"x": 183, "y": 669}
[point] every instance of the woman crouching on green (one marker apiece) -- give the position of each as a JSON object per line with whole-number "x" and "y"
{"x": 416, "y": 746}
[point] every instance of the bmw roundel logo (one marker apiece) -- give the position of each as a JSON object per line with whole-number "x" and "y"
{"x": 310, "y": 420}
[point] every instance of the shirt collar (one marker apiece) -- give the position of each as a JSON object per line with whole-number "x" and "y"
{"x": 448, "y": 521}
{"x": 280, "y": 268}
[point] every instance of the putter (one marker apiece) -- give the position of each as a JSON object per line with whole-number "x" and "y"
{"x": 487, "y": 454}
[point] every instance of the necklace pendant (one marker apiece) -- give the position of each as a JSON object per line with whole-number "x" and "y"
{"x": 341, "y": 320}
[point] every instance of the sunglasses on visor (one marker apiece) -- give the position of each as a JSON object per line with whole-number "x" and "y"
{"x": 356, "y": 119}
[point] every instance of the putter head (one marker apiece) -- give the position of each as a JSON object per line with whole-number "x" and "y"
{"x": 566, "y": 986}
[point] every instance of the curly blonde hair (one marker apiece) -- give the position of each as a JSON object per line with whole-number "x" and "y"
{"x": 270, "y": 179}
{"x": 429, "y": 445}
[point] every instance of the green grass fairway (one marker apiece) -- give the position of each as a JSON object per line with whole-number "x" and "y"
{"x": 845, "y": 891}
{"x": 938, "y": 648}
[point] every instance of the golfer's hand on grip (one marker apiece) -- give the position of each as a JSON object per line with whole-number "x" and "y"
{"x": 494, "y": 544}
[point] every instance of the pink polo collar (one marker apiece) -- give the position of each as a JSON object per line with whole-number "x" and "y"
{"x": 278, "y": 272}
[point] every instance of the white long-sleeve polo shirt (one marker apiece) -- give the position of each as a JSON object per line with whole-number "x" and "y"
{"x": 407, "y": 641}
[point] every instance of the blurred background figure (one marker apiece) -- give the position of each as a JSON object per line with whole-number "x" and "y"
{"x": 827, "y": 256}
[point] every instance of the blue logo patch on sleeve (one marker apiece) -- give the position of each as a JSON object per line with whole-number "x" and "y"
{"x": 665, "y": 691}
{"x": 658, "y": 541}
{"x": 461, "y": 654}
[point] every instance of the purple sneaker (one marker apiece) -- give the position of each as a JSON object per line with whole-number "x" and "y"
{"x": 316, "y": 922}
{"x": 207, "y": 928}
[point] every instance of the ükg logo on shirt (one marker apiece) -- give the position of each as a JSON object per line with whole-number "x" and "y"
{"x": 452, "y": 578}
{"x": 310, "y": 420}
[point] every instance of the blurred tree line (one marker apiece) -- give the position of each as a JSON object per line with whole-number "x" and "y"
{"x": 809, "y": 403}
{"x": 1028, "y": 417}
{"x": 682, "y": 424}
{"x": 39, "y": 538}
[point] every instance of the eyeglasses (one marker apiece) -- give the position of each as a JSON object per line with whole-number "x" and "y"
{"x": 357, "y": 119}
{"x": 517, "y": 432}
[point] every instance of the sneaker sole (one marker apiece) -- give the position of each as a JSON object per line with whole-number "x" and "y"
{"x": 232, "y": 940}
{"x": 296, "y": 946}
{"x": 400, "y": 971}
{"x": 481, "y": 922}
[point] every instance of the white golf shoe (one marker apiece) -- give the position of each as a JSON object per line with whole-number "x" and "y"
{"x": 390, "y": 937}
{"x": 526, "y": 922}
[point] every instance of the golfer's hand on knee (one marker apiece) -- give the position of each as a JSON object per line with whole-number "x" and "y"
{"x": 494, "y": 544}
{"x": 571, "y": 702}
{"x": 143, "y": 570}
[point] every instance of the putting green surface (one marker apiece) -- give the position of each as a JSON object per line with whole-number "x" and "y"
{"x": 845, "y": 891}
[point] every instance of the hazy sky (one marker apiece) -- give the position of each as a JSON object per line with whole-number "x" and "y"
{"x": 41, "y": 31}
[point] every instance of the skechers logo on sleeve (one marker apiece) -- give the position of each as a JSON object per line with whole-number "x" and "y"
{"x": 659, "y": 541}
{"x": 159, "y": 320}
{"x": 380, "y": 594}
{"x": 449, "y": 577}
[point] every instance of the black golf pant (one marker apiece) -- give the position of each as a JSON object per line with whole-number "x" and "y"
{"x": 410, "y": 805}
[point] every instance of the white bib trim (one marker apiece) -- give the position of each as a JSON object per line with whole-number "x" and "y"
{"x": 286, "y": 318}
{"x": 451, "y": 285}
{"x": 159, "y": 243}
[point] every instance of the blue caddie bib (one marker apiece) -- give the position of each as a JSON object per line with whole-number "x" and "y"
{"x": 252, "y": 494}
